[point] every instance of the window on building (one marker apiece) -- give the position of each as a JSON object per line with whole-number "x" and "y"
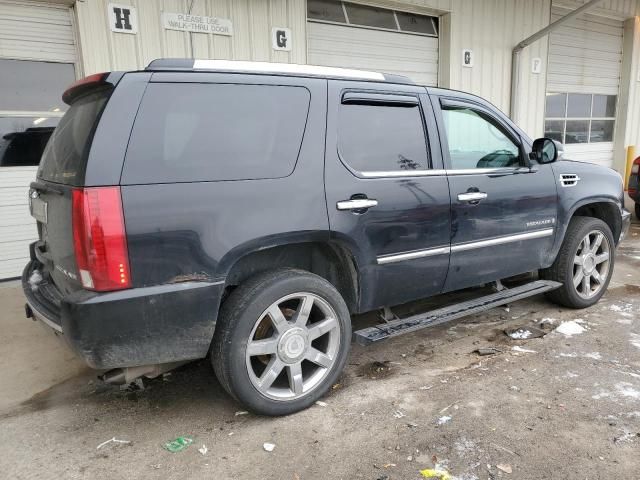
{"x": 580, "y": 118}
{"x": 210, "y": 132}
{"x": 475, "y": 141}
{"x": 334, "y": 11}
{"x": 379, "y": 137}
{"x": 30, "y": 108}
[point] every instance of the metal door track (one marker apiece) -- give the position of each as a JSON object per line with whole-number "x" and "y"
{"x": 367, "y": 336}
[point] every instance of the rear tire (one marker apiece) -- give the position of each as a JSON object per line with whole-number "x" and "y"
{"x": 282, "y": 339}
{"x": 584, "y": 264}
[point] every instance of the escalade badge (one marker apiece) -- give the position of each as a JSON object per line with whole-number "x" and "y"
{"x": 537, "y": 223}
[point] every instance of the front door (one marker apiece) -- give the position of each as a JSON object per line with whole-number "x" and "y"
{"x": 387, "y": 194}
{"x": 503, "y": 209}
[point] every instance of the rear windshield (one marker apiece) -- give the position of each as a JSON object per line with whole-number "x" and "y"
{"x": 208, "y": 132}
{"x": 64, "y": 159}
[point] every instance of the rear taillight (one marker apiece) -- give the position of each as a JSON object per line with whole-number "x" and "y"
{"x": 99, "y": 239}
{"x": 635, "y": 167}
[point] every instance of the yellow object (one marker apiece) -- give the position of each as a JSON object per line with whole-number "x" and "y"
{"x": 631, "y": 155}
{"x": 436, "y": 473}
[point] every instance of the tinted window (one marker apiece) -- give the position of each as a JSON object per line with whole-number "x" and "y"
{"x": 382, "y": 138}
{"x": 476, "y": 141}
{"x": 22, "y": 139}
{"x": 556, "y": 105}
{"x": 579, "y": 105}
{"x": 65, "y": 157}
{"x": 416, "y": 23}
{"x": 370, "y": 16}
{"x": 604, "y": 106}
{"x": 326, "y": 10}
{"x": 205, "y": 132}
{"x": 34, "y": 86}
{"x": 601, "y": 131}
{"x": 577, "y": 131}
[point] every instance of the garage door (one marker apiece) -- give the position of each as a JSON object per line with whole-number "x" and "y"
{"x": 37, "y": 56}
{"x": 342, "y": 34}
{"x": 585, "y": 58}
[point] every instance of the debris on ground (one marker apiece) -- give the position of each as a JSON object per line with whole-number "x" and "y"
{"x": 242, "y": 412}
{"x": 398, "y": 414}
{"x": 426, "y": 387}
{"x": 487, "y": 351}
{"x": 112, "y": 440}
{"x": 518, "y": 348}
{"x": 547, "y": 321}
{"x": 444, "y": 419}
{"x": 525, "y": 332}
{"x": 376, "y": 370}
{"x": 203, "y": 449}
{"x": 268, "y": 447}
{"x": 321, "y": 403}
{"x": 177, "y": 445}
{"x": 570, "y": 328}
{"x": 504, "y": 467}
{"x": 514, "y": 388}
{"x": 436, "y": 473}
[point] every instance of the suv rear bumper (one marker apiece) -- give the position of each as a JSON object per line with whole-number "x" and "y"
{"x": 138, "y": 326}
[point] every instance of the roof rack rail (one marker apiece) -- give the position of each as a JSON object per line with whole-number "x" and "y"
{"x": 239, "y": 66}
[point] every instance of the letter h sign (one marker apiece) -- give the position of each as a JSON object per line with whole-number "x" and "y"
{"x": 122, "y": 18}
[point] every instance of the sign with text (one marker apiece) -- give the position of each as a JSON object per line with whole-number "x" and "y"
{"x": 197, "y": 23}
{"x": 122, "y": 18}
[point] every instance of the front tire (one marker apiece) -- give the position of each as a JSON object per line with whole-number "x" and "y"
{"x": 282, "y": 339}
{"x": 584, "y": 264}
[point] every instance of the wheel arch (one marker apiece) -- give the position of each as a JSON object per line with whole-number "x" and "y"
{"x": 330, "y": 260}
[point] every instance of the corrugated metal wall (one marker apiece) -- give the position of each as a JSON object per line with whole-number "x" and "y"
{"x": 251, "y": 39}
{"x": 36, "y": 32}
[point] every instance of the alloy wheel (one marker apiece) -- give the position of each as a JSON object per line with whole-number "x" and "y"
{"x": 293, "y": 346}
{"x": 591, "y": 264}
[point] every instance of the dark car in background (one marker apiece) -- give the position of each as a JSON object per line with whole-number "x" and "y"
{"x": 634, "y": 186}
{"x": 244, "y": 211}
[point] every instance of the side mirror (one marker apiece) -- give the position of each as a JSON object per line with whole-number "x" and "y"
{"x": 544, "y": 150}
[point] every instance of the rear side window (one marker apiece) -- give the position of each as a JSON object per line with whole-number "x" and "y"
{"x": 188, "y": 132}
{"x": 64, "y": 159}
{"x": 382, "y": 137}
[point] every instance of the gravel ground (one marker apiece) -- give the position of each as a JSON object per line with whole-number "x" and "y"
{"x": 555, "y": 407}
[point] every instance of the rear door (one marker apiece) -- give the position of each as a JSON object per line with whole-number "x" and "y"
{"x": 387, "y": 195}
{"x": 503, "y": 213}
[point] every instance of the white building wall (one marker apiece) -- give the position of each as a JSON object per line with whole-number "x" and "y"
{"x": 252, "y": 23}
{"x": 491, "y": 28}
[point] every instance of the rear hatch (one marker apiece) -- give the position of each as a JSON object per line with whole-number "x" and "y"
{"x": 58, "y": 200}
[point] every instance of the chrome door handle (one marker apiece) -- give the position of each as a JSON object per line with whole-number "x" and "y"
{"x": 471, "y": 196}
{"x": 356, "y": 204}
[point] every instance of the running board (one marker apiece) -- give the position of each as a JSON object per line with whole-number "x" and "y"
{"x": 369, "y": 335}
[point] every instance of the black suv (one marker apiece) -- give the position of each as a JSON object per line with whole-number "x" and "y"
{"x": 247, "y": 210}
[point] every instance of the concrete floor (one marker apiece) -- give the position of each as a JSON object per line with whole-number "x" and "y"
{"x": 566, "y": 408}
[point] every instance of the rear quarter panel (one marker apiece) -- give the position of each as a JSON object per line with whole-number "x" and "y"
{"x": 197, "y": 230}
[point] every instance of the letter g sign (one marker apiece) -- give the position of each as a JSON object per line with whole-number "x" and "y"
{"x": 281, "y": 39}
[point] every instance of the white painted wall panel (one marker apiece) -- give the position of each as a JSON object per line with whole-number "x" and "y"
{"x": 17, "y": 228}
{"x": 36, "y": 32}
{"x": 585, "y": 55}
{"x": 346, "y": 46}
{"x": 252, "y": 23}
